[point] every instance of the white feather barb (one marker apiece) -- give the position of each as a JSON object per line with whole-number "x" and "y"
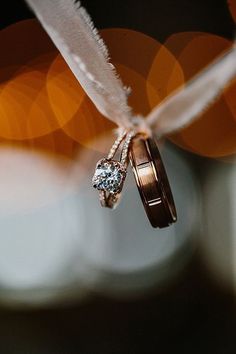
{"x": 72, "y": 31}
{"x": 188, "y": 103}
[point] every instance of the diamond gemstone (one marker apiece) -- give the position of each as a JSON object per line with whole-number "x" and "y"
{"x": 109, "y": 176}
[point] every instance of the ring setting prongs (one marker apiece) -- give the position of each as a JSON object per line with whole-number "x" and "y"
{"x": 109, "y": 176}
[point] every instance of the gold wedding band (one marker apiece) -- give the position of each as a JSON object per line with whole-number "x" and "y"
{"x": 152, "y": 182}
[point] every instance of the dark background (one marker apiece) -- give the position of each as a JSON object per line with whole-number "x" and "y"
{"x": 193, "y": 315}
{"x": 157, "y": 18}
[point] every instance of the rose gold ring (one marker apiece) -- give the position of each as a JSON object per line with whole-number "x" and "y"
{"x": 152, "y": 182}
{"x": 110, "y": 174}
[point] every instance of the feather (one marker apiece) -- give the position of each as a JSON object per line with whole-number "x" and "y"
{"x": 188, "y": 103}
{"x": 73, "y": 33}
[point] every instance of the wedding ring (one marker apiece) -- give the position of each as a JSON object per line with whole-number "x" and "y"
{"x": 110, "y": 174}
{"x": 152, "y": 182}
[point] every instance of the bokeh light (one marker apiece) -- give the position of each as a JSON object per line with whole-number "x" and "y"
{"x": 214, "y": 133}
{"x": 51, "y": 137}
{"x": 85, "y": 123}
{"x": 64, "y": 91}
{"x": 232, "y": 8}
{"x": 27, "y": 55}
{"x": 149, "y": 58}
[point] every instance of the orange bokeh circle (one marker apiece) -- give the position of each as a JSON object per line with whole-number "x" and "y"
{"x": 88, "y": 124}
{"x": 232, "y": 8}
{"x": 25, "y": 110}
{"x": 39, "y": 95}
{"x": 64, "y": 91}
{"x": 214, "y": 133}
{"x": 133, "y": 54}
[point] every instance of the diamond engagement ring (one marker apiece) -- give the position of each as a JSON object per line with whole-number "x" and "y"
{"x": 110, "y": 174}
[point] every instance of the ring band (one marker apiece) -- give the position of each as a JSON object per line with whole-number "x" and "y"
{"x": 109, "y": 200}
{"x": 152, "y": 182}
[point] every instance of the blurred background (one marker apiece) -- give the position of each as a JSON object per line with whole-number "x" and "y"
{"x": 75, "y": 278}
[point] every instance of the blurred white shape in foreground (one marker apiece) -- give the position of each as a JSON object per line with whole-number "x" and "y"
{"x": 219, "y": 233}
{"x": 57, "y": 242}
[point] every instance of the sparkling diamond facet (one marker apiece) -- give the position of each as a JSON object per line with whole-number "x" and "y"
{"x": 109, "y": 176}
